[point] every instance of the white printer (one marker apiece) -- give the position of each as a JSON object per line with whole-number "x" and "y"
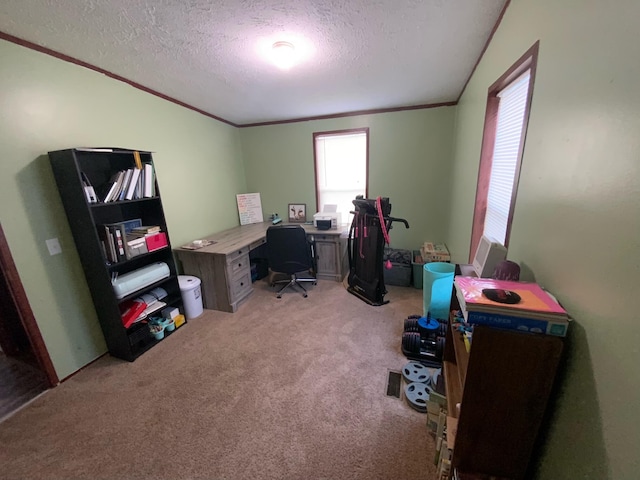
{"x": 328, "y": 218}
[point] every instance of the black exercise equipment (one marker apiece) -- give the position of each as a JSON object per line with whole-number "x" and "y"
{"x": 416, "y": 372}
{"x": 365, "y": 245}
{"x": 417, "y": 394}
{"x": 425, "y": 325}
{"x": 423, "y": 339}
{"x": 410, "y": 322}
{"x": 426, "y": 350}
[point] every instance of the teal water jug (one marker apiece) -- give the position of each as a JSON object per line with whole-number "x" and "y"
{"x": 437, "y": 285}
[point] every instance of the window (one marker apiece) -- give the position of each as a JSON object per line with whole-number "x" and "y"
{"x": 341, "y": 167}
{"x": 506, "y": 118}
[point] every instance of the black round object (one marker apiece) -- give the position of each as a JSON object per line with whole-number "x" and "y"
{"x": 427, "y": 326}
{"x": 501, "y": 295}
{"x": 417, "y": 394}
{"x": 414, "y": 344}
{"x": 416, "y": 372}
{"x": 411, "y": 342}
{"x": 411, "y": 325}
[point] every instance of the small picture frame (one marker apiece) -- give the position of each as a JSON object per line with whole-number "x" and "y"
{"x": 297, "y": 212}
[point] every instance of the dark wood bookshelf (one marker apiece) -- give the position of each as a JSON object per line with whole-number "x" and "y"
{"x": 502, "y": 385}
{"x": 85, "y": 218}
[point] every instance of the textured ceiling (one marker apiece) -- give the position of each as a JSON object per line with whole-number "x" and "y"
{"x": 358, "y": 54}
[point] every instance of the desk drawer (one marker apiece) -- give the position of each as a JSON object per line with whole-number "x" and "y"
{"x": 257, "y": 243}
{"x": 240, "y": 285}
{"x": 237, "y": 265}
{"x": 326, "y": 238}
{"x": 236, "y": 254}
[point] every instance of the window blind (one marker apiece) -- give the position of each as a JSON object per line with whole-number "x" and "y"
{"x": 511, "y": 110}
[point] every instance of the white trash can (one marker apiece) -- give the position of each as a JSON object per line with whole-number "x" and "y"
{"x": 191, "y": 295}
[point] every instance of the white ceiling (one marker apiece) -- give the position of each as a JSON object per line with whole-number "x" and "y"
{"x": 360, "y": 54}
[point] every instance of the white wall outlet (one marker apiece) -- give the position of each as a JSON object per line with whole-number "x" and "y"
{"x": 54, "y": 246}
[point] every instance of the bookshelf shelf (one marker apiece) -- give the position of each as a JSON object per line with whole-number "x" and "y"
{"x": 141, "y": 259}
{"x": 89, "y": 220}
{"x": 502, "y": 385}
{"x": 120, "y": 203}
{"x": 452, "y": 382}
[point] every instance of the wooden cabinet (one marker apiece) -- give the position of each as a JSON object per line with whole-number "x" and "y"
{"x": 502, "y": 387}
{"x": 72, "y": 169}
{"x": 226, "y": 277}
{"x": 329, "y": 250}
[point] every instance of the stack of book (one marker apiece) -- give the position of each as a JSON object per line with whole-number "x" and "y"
{"x": 153, "y": 237}
{"x": 133, "y": 311}
{"x": 131, "y": 184}
{"x": 115, "y": 240}
{"x": 130, "y": 311}
{"x": 125, "y": 240}
{"x": 535, "y": 311}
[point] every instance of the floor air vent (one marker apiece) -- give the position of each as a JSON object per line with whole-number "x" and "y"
{"x": 393, "y": 384}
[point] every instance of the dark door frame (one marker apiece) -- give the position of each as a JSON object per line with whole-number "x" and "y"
{"x": 27, "y": 319}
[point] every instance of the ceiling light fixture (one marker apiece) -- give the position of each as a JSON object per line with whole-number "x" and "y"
{"x": 283, "y": 54}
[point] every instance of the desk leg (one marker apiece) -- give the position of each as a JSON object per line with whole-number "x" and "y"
{"x": 202, "y": 266}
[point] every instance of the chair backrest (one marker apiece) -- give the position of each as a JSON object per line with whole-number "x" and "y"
{"x": 288, "y": 250}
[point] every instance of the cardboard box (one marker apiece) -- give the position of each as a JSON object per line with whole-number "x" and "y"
{"x": 432, "y": 421}
{"x": 434, "y": 252}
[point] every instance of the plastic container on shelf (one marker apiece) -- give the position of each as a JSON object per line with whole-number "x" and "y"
{"x": 191, "y": 293}
{"x": 168, "y": 324}
{"x": 157, "y": 331}
{"x": 437, "y": 288}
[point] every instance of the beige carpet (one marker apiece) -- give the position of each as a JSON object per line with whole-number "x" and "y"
{"x": 283, "y": 389}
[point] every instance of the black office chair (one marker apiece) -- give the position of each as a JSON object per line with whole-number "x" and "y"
{"x": 289, "y": 252}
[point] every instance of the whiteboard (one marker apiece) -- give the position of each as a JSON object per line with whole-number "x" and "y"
{"x": 249, "y": 208}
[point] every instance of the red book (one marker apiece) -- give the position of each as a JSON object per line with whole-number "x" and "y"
{"x": 130, "y": 312}
{"x": 156, "y": 241}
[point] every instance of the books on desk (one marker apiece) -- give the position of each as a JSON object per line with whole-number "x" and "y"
{"x": 197, "y": 244}
{"x": 537, "y": 311}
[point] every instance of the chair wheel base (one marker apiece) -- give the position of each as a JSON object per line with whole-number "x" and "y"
{"x": 293, "y": 284}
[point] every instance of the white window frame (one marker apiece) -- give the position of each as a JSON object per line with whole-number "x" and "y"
{"x": 349, "y": 190}
{"x": 499, "y": 174}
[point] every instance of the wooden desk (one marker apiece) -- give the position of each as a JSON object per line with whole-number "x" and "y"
{"x": 224, "y": 267}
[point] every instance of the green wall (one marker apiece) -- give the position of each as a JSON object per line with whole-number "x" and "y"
{"x": 47, "y": 104}
{"x": 576, "y": 228}
{"x": 409, "y": 162}
{"x": 577, "y": 220}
